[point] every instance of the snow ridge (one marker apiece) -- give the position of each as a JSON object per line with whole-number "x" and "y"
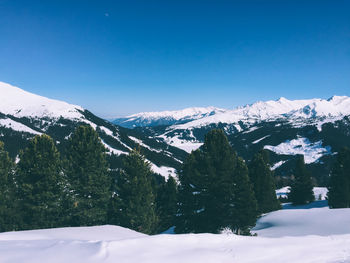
{"x": 19, "y": 103}
{"x": 336, "y": 106}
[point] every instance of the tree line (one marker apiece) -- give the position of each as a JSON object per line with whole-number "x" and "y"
{"x": 47, "y": 189}
{"x": 216, "y": 189}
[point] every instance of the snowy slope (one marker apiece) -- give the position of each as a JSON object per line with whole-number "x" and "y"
{"x": 24, "y": 115}
{"x": 20, "y": 103}
{"x": 299, "y": 235}
{"x": 303, "y": 222}
{"x": 166, "y": 117}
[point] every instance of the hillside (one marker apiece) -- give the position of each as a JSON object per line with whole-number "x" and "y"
{"x": 24, "y": 115}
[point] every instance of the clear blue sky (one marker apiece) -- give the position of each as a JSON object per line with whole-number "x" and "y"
{"x": 120, "y": 57}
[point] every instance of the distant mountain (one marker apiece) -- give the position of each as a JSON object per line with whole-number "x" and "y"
{"x": 150, "y": 119}
{"x": 315, "y": 128}
{"x": 24, "y": 115}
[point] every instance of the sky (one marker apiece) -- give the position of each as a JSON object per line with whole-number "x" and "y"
{"x": 121, "y": 57}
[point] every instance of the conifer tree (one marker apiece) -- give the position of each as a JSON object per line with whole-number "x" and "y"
{"x": 301, "y": 191}
{"x": 167, "y": 204}
{"x": 262, "y": 179}
{"x": 41, "y": 184}
{"x": 87, "y": 172}
{"x": 190, "y": 202}
{"x": 7, "y": 191}
{"x": 209, "y": 185}
{"x": 134, "y": 201}
{"x": 339, "y": 188}
{"x": 245, "y": 202}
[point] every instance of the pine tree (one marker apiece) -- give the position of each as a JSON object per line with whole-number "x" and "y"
{"x": 339, "y": 188}
{"x": 190, "y": 203}
{"x": 210, "y": 186}
{"x": 245, "y": 202}
{"x": 87, "y": 172}
{"x": 41, "y": 184}
{"x": 301, "y": 191}
{"x": 262, "y": 179}
{"x": 134, "y": 201}
{"x": 167, "y": 204}
{"x": 7, "y": 191}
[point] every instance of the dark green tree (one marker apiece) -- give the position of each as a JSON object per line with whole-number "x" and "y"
{"x": 190, "y": 202}
{"x": 7, "y": 192}
{"x": 262, "y": 179}
{"x": 301, "y": 191}
{"x": 209, "y": 184}
{"x": 134, "y": 201}
{"x": 41, "y": 184}
{"x": 245, "y": 202}
{"x": 339, "y": 187}
{"x": 167, "y": 204}
{"x": 87, "y": 172}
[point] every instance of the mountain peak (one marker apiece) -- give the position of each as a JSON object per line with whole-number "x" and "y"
{"x": 20, "y": 103}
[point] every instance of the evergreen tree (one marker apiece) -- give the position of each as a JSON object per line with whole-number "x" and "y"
{"x": 339, "y": 188}
{"x": 40, "y": 184}
{"x": 301, "y": 191}
{"x": 262, "y": 179}
{"x": 167, "y": 204}
{"x": 245, "y": 202}
{"x": 87, "y": 172}
{"x": 134, "y": 201}
{"x": 190, "y": 202}
{"x": 211, "y": 189}
{"x": 7, "y": 191}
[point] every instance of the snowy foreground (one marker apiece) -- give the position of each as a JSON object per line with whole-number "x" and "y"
{"x": 305, "y": 234}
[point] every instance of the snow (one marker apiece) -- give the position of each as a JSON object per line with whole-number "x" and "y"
{"x": 164, "y": 171}
{"x": 188, "y": 113}
{"x": 293, "y": 235}
{"x": 259, "y": 140}
{"x": 19, "y": 103}
{"x": 320, "y": 193}
{"x": 311, "y": 151}
{"x": 323, "y": 110}
{"x": 8, "y": 123}
{"x": 304, "y": 222}
{"x": 186, "y": 145}
{"x": 278, "y": 164}
{"x": 112, "y": 150}
{"x": 138, "y": 141}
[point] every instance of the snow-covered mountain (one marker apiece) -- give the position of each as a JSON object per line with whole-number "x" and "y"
{"x": 20, "y": 103}
{"x": 24, "y": 115}
{"x": 293, "y": 110}
{"x": 150, "y": 119}
{"x": 315, "y": 128}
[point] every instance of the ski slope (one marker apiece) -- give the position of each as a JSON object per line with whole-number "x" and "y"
{"x": 291, "y": 235}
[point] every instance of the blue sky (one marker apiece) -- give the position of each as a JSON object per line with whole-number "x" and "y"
{"x": 121, "y": 57}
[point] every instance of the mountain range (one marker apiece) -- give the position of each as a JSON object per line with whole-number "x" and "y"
{"x": 315, "y": 128}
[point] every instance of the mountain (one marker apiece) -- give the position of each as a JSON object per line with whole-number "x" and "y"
{"x": 24, "y": 115}
{"x": 315, "y": 128}
{"x": 150, "y": 119}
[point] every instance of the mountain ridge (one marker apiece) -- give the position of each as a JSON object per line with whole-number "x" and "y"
{"x": 336, "y": 106}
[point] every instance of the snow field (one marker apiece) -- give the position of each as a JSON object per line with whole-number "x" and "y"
{"x": 295, "y": 235}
